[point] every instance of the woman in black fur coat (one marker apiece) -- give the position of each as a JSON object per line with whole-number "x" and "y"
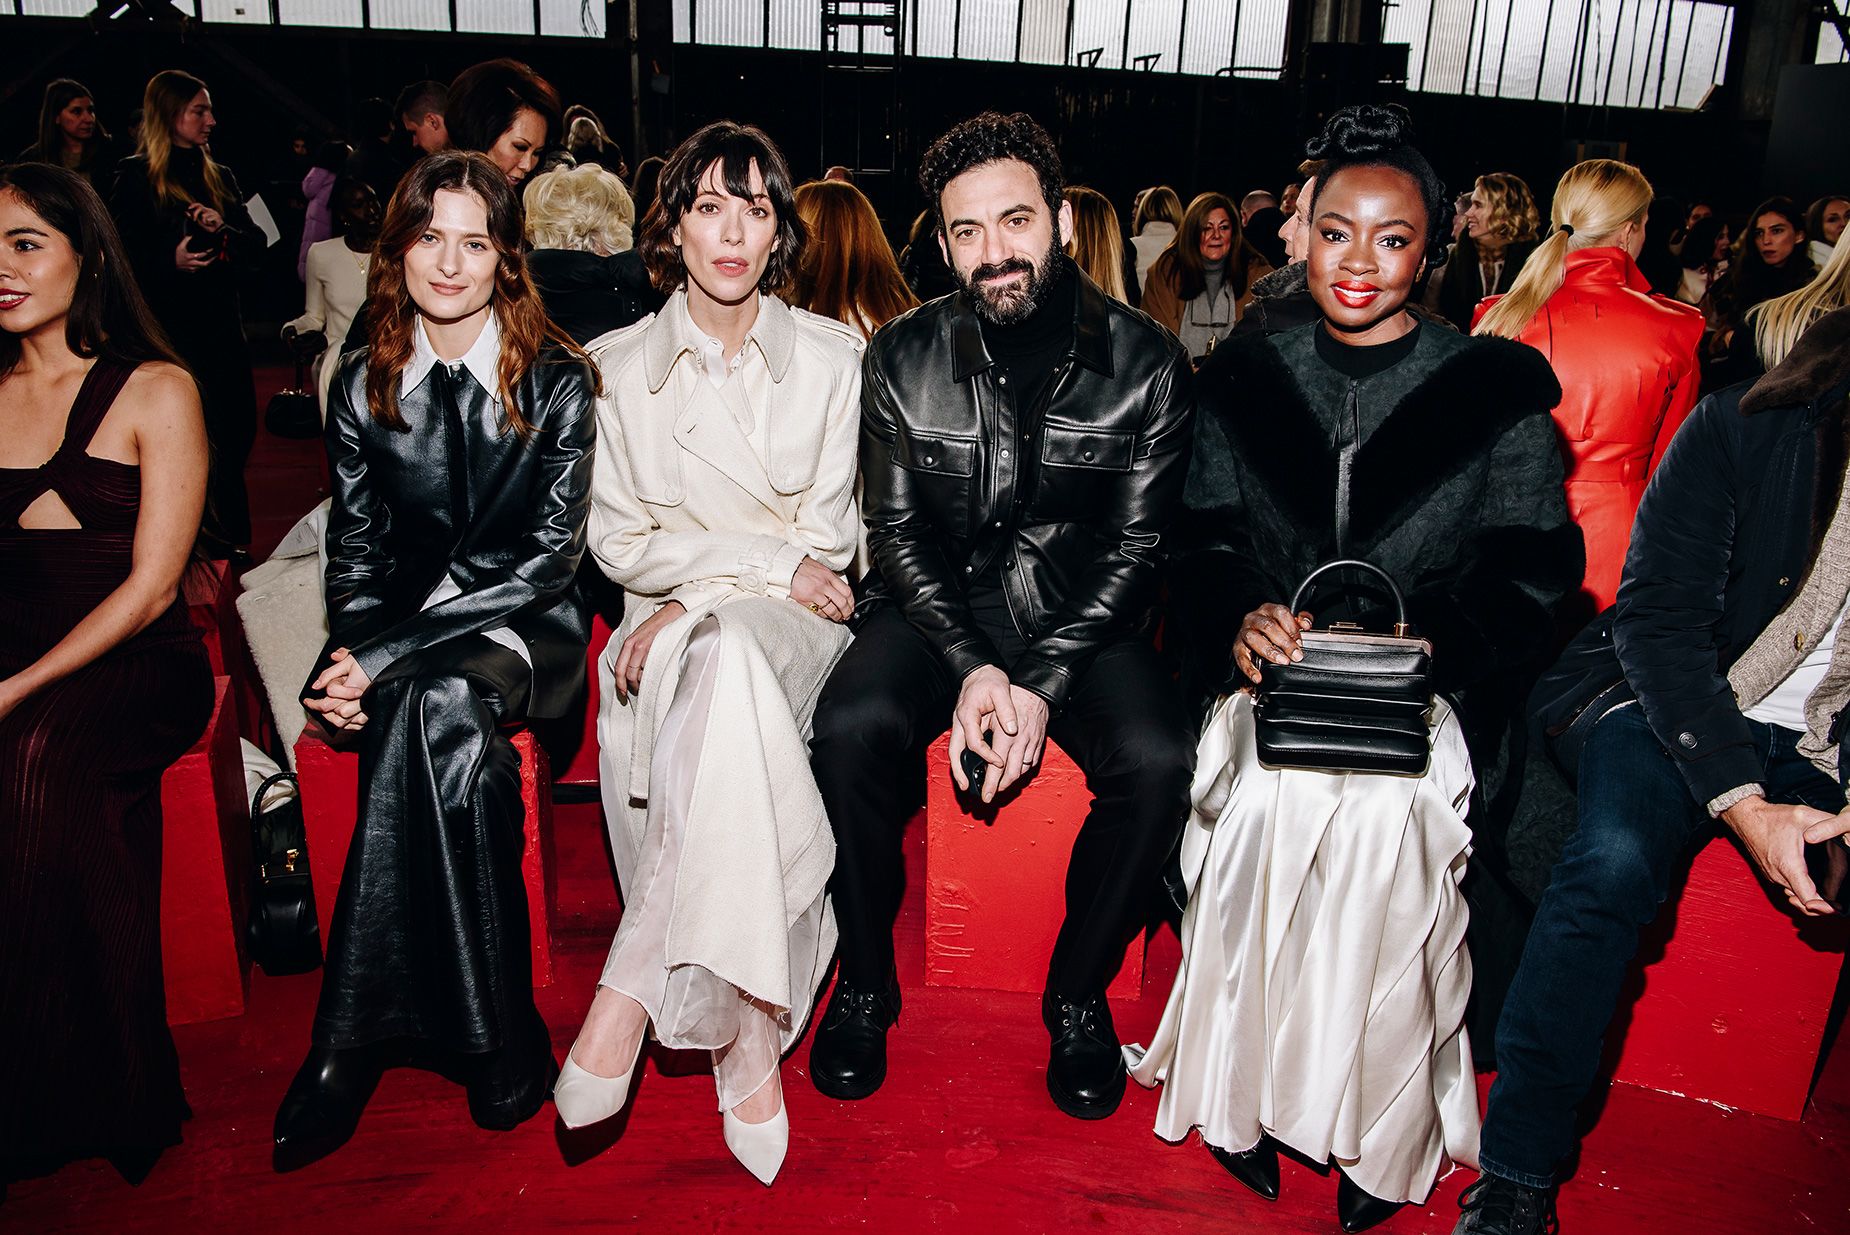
{"x": 1322, "y": 995}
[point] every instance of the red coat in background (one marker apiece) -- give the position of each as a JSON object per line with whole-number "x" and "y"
{"x": 1626, "y": 361}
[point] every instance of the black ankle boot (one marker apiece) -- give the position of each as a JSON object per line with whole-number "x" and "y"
{"x": 323, "y": 1105}
{"x": 1257, "y": 1167}
{"x": 1085, "y": 1067}
{"x": 1356, "y": 1209}
{"x": 847, "y": 1060}
{"x": 507, "y": 1087}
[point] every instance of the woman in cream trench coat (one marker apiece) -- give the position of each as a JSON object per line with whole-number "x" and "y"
{"x": 723, "y": 503}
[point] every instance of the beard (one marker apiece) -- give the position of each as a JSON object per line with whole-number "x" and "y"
{"x": 1012, "y": 305}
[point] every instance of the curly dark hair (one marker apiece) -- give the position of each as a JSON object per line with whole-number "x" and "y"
{"x": 1367, "y": 135}
{"x": 991, "y": 138}
{"x": 735, "y": 147}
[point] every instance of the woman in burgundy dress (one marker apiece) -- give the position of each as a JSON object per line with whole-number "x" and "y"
{"x": 103, "y": 681}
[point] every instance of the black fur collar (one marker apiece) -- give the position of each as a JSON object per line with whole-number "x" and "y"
{"x": 1473, "y": 391}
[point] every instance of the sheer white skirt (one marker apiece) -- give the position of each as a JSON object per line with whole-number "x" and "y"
{"x": 689, "y": 1006}
{"x": 1321, "y": 997}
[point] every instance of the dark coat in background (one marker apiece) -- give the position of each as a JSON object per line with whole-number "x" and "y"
{"x": 1463, "y": 285}
{"x": 588, "y": 295}
{"x": 200, "y": 313}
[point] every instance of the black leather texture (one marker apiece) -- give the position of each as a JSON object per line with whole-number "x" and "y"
{"x": 1077, "y": 504}
{"x": 460, "y": 492}
{"x": 1355, "y": 703}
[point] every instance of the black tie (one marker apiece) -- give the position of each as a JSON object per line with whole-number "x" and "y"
{"x": 449, "y": 407}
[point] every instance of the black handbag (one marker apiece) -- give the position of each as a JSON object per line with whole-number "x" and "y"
{"x": 1356, "y": 702}
{"x": 294, "y": 413}
{"x": 282, "y": 932}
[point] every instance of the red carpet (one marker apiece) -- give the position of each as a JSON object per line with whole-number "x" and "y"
{"x": 962, "y": 1139}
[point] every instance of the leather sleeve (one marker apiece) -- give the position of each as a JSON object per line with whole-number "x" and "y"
{"x": 906, "y": 547}
{"x": 563, "y": 446}
{"x": 358, "y": 522}
{"x": 1670, "y": 606}
{"x": 1113, "y": 594}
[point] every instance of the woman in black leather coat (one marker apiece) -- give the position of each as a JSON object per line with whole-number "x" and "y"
{"x": 459, "y": 443}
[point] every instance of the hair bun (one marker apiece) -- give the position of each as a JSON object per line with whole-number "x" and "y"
{"x": 1361, "y": 130}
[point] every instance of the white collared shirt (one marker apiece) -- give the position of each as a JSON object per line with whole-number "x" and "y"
{"x": 483, "y": 363}
{"x": 482, "y": 360}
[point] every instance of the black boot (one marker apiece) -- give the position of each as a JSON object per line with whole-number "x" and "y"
{"x": 1356, "y": 1209}
{"x": 1495, "y": 1206}
{"x": 1257, "y": 1167}
{"x": 848, "y": 1058}
{"x": 507, "y": 1087}
{"x": 1085, "y": 1068}
{"x": 323, "y": 1105}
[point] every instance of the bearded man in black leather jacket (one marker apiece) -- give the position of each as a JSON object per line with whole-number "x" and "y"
{"x": 1023, "y": 448}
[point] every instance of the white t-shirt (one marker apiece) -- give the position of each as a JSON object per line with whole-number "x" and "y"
{"x": 1785, "y": 706}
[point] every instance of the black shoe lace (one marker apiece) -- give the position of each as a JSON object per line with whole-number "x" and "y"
{"x": 1079, "y": 1018}
{"x": 851, "y": 1001}
{"x": 1508, "y": 1208}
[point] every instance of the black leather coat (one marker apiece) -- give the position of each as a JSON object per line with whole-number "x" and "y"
{"x": 1082, "y": 531}
{"x": 505, "y": 517}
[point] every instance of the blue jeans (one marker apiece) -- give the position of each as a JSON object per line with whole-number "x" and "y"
{"x": 1637, "y": 821}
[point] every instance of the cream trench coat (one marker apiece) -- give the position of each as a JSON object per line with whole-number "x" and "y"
{"x": 684, "y": 508}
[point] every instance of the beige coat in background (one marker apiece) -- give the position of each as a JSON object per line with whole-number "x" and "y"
{"x": 686, "y": 505}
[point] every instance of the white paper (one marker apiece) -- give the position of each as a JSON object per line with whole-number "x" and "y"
{"x": 265, "y": 221}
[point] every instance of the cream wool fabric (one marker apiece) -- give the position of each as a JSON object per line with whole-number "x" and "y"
{"x": 712, "y": 498}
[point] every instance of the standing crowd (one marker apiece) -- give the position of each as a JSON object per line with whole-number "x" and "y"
{"x": 855, "y": 502}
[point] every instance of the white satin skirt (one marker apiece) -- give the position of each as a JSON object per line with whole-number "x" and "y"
{"x": 1321, "y": 998}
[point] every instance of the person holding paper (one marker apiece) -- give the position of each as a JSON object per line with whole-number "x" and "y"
{"x": 186, "y": 228}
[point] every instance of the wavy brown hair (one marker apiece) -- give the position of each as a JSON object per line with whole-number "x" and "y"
{"x": 390, "y": 311}
{"x": 1181, "y": 261}
{"x": 847, "y": 271}
{"x": 734, "y": 147}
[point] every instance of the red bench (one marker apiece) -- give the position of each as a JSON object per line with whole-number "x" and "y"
{"x": 995, "y": 893}
{"x": 1735, "y": 993}
{"x": 330, "y": 783}
{"x": 205, "y": 873}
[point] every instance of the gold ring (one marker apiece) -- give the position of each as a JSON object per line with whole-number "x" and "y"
{"x": 815, "y": 606}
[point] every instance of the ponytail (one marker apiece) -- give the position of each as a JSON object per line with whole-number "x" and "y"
{"x": 1593, "y": 202}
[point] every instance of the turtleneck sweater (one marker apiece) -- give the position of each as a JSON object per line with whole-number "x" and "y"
{"x": 1029, "y": 351}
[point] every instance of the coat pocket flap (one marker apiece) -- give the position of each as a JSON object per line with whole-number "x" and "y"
{"x": 1068, "y": 447}
{"x": 947, "y": 456}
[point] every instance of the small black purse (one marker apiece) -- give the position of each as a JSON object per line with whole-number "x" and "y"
{"x": 296, "y": 412}
{"x": 1356, "y": 702}
{"x": 282, "y": 932}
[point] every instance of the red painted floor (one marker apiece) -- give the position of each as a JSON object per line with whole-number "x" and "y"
{"x": 962, "y": 1139}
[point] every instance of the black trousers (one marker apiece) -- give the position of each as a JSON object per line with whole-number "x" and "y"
{"x": 430, "y": 938}
{"x": 1124, "y": 725}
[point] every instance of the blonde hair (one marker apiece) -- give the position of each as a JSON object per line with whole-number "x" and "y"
{"x": 169, "y": 92}
{"x": 583, "y": 208}
{"x": 1513, "y": 215}
{"x": 1157, "y": 205}
{"x": 1593, "y": 202}
{"x": 1779, "y": 322}
{"x": 1096, "y": 246}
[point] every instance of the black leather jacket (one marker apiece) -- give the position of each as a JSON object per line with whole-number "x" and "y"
{"x": 1081, "y": 540}
{"x": 504, "y": 517}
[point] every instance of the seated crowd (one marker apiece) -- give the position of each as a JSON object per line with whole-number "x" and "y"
{"x": 845, "y": 523}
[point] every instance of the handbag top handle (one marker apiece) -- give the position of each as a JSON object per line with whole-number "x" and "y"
{"x": 1355, "y": 563}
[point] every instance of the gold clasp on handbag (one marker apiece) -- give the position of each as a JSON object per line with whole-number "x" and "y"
{"x": 289, "y": 861}
{"x": 1347, "y": 628}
